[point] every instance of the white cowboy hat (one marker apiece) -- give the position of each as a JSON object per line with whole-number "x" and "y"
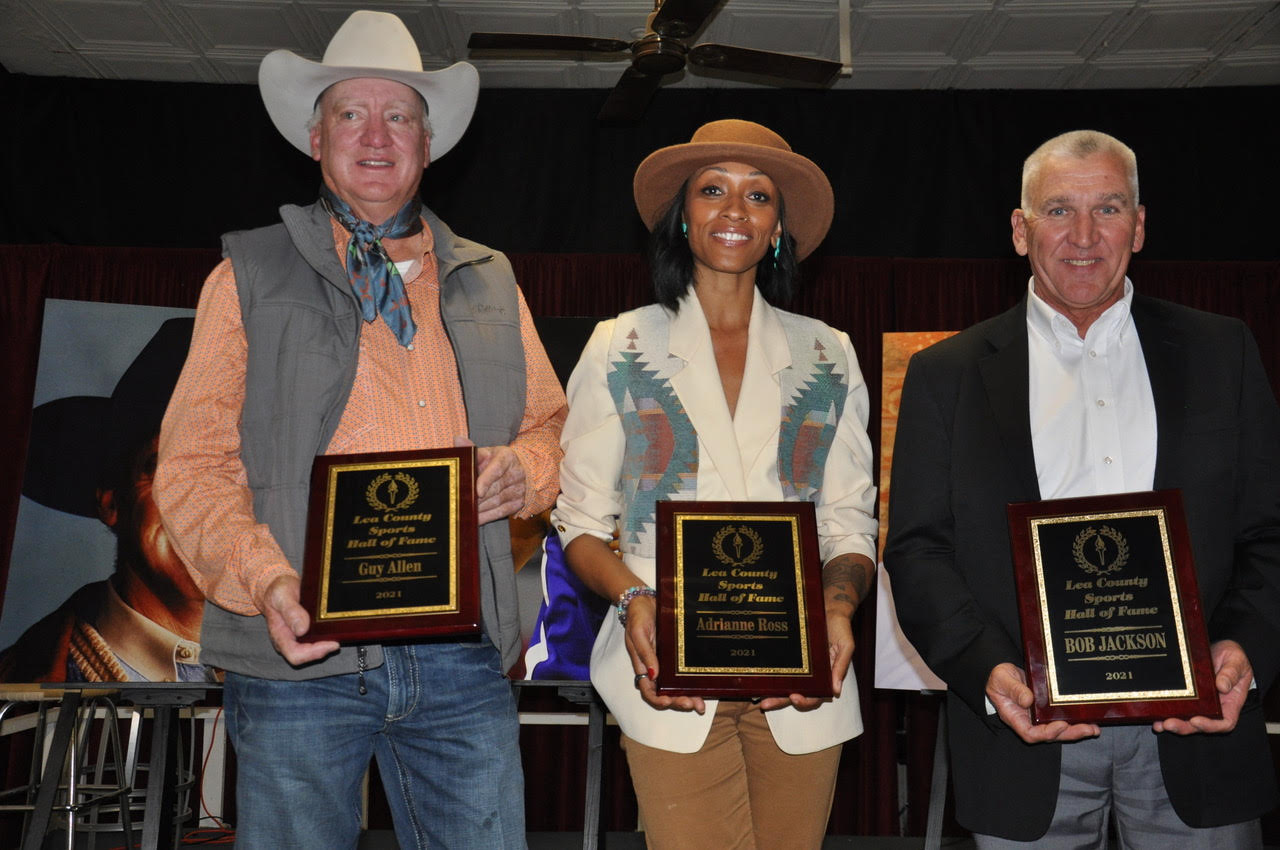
{"x": 368, "y": 44}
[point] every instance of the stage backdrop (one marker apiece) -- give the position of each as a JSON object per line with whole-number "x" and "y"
{"x": 104, "y": 374}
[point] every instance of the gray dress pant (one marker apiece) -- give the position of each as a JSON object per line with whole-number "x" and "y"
{"x": 1117, "y": 775}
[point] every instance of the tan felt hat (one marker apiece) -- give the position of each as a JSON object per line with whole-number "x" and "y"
{"x": 806, "y": 191}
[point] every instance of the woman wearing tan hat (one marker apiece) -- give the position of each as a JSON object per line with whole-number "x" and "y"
{"x": 716, "y": 395}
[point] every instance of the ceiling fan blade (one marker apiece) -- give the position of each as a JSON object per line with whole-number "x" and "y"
{"x": 533, "y": 41}
{"x": 802, "y": 69}
{"x": 682, "y": 18}
{"x": 629, "y": 98}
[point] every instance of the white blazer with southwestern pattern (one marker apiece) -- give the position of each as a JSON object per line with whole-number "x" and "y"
{"x": 737, "y": 460}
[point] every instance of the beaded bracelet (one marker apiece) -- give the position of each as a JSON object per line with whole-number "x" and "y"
{"x": 624, "y": 599}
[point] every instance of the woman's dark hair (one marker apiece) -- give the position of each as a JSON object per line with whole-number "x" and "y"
{"x": 671, "y": 261}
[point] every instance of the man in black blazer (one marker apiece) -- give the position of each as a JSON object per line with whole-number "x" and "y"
{"x": 1087, "y": 388}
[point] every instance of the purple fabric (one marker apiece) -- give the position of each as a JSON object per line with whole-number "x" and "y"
{"x": 568, "y": 620}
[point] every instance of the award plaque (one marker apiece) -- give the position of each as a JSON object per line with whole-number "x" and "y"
{"x": 740, "y": 607}
{"x": 391, "y": 546}
{"x": 1111, "y": 619}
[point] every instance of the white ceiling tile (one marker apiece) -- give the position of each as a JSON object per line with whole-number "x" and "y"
{"x": 176, "y": 68}
{"x": 1176, "y": 28}
{"x": 30, "y": 46}
{"x": 92, "y": 22}
{"x": 898, "y": 44}
{"x": 902, "y": 33}
{"x": 1260, "y": 66}
{"x": 1266, "y": 33}
{"x": 531, "y": 74}
{"x": 258, "y": 26}
{"x": 1130, "y": 75}
{"x": 1068, "y": 7}
{"x": 1014, "y": 76}
{"x": 237, "y": 68}
{"x": 1051, "y": 32}
{"x": 810, "y": 34}
{"x": 888, "y": 78}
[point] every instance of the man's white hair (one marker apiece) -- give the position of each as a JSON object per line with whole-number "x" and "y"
{"x": 1078, "y": 144}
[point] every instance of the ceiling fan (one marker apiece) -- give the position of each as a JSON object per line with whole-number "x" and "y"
{"x": 662, "y": 50}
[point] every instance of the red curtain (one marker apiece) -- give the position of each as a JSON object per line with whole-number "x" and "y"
{"x": 864, "y": 297}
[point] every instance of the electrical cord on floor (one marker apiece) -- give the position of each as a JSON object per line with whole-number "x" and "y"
{"x": 222, "y": 832}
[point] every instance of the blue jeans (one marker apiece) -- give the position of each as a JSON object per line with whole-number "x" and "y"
{"x": 441, "y": 719}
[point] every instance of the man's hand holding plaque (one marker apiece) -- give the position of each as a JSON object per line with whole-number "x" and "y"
{"x": 288, "y": 622}
{"x": 1233, "y": 677}
{"x": 1012, "y": 698}
{"x": 500, "y": 482}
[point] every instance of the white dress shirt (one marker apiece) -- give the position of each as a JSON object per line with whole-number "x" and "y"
{"x": 1093, "y": 418}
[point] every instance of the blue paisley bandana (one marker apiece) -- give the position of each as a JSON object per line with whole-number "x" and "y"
{"x": 374, "y": 278}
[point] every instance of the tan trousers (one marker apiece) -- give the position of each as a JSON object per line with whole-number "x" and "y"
{"x": 739, "y": 792}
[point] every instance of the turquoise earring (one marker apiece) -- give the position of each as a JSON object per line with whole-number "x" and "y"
{"x": 777, "y": 249}
{"x": 684, "y": 228}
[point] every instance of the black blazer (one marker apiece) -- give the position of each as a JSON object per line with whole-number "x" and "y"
{"x": 963, "y": 451}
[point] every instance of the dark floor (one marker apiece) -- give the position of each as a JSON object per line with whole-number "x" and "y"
{"x": 386, "y": 840}
{"x": 378, "y": 840}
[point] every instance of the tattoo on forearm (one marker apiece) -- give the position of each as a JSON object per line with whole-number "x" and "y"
{"x": 842, "y": 596}
{"x": 849, "y": 577}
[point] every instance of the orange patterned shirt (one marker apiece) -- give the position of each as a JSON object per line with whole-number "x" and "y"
{"x": 402, "y": 398}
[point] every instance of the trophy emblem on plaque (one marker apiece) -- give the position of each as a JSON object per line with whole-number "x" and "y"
{"x": 390, "y": 485}
{"x": 744, "y": 546}
{"x": 1106, "y": 559}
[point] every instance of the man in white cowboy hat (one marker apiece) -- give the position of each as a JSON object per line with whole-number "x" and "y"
{"x": 358, "y": 324}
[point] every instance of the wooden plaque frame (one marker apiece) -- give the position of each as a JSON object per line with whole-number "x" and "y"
{"x": 746, "y": 573}
{"x": 391, "y": 548}
{"x": 1112, "y": 626}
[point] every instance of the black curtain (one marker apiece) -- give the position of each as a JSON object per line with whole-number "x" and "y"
{"x": 916, "y": 173}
